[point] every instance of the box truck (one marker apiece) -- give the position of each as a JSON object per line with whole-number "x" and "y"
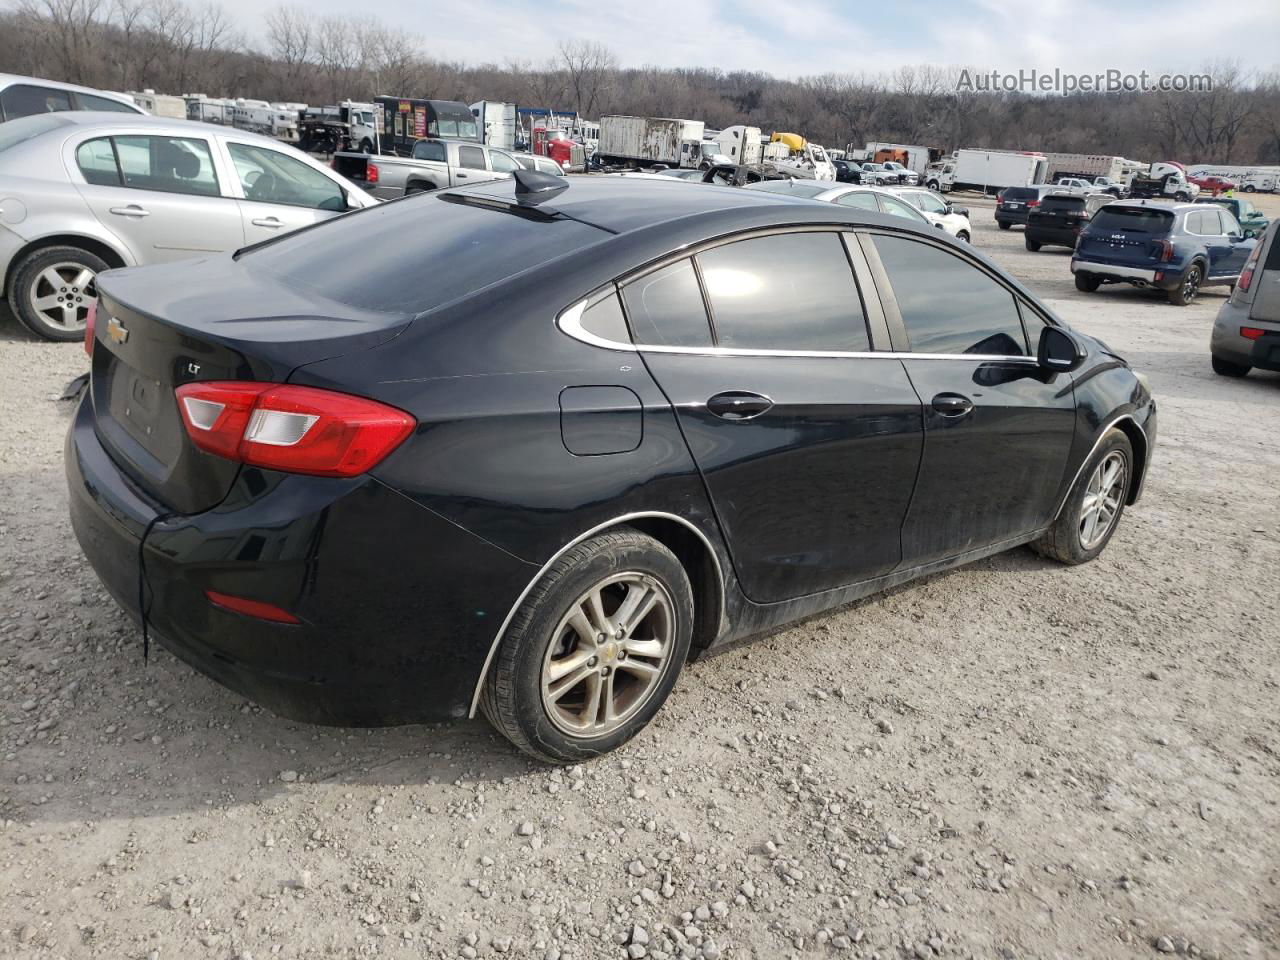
{"x": 496, "y": 123}
{"x": 987, "y": 170}
{"x": 647, "y": 141}
{"x": 912, "y": 156}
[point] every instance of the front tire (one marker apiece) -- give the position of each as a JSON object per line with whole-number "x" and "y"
{"x": 1249, "y": 188}
{"x": 52, "y": 289}
{"x": 1094, "y": 506}
{"x": 594, "y": 650}
{"x": 1225, "y": 368}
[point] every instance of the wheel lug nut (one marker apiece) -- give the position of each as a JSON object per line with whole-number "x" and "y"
{"x": 593, "y": 661}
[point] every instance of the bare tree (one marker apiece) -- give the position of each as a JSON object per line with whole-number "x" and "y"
{"x": 589, "y": 66}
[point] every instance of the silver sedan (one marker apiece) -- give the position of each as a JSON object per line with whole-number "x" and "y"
{"x": 85, "y": 192}
{"x": 864, "y": 198}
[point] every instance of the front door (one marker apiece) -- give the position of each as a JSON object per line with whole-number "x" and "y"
{"x": 161, "y": 195}
{"x": 997, "y": 429}
{"x": 281, "y": 193}
{"x": 807, "y": 441}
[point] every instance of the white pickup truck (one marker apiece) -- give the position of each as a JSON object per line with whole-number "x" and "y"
{"x": 433, "y": 164}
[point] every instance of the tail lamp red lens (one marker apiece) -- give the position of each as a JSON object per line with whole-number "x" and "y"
{"x": 290, "y": 428}
{"x": 251, "y": 608}
{"x": 1251, "y": 333}
{"x": 90, "y": 321}
{"x": 1166, "y": 251}
{"x": 1246, "y": 275}
{"x": 371, "y": 173}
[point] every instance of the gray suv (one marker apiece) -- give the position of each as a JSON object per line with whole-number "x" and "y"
{"x": 1246, "y": 333}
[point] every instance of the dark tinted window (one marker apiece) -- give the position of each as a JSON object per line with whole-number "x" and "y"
{"x": 666, "y": 309}
{"x": 429, "y": 150}
{"x": 1020, "y": 193}
{"x": 471, "y": 157}
{"x": 97, "y": 161}
{"x": 605, "y": 319}
{"x": 1133, "y": 219}
{"x": 382, "y": 259}
{"x": 89, "y": 102}
{"x": 26, "y": 100}
{"x": 1056, "y": 204}
{"x": 948, "y": 305}
{"x": 793, "y": 291}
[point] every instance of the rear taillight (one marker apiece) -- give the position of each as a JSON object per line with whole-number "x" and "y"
{"x": 1032, "y": 203}
{"x": 250, "y": 608}
{"x": 1166, "y": 251}
{"x": 290, "y": 428}
{"x": 1246, "y": 275}
{"x": 371, "y": 173}
{"x": 1251, "y": 333}
{"x": 89, "y": 322}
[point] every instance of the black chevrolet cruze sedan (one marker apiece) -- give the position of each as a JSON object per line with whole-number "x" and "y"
{"x": 528, "y": 447}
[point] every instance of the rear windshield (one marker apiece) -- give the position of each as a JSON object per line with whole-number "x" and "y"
{"x": 1020, "y": 193}
{"x": 1134, "y": 219}
{"x": 26, "y": 128}
{"x": 416, "y": 254}
{"x": 1062, "y": 203}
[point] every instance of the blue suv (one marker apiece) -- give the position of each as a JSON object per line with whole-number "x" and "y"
{"x": 1177, "y": 248}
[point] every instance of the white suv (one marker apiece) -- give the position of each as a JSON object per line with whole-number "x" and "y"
{"x": 25, "y": 96}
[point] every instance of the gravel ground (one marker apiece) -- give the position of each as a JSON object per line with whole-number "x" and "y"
{"x": 1012, "y": 760}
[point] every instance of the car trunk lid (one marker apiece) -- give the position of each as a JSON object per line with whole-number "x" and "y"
{"x": 161, "y": 327}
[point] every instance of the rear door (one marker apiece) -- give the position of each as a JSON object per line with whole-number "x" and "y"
{"x": 279, "y": 193}
{"x": 164, "y": 196}
{"x": 808, "y": 440}
{"x": 997, "y": 429}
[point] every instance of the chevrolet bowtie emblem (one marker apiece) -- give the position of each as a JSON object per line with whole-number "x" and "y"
{"x": 117, "y": 330}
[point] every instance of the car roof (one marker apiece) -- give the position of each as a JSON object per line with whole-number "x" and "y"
{"x": 105, "y": 120}
{"x": 628, "y": 204}
{"x": 9, "y": 79}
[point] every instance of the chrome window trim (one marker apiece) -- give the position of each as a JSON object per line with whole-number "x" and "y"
{"x": 570, "y": 323}
{"x": 721, "y": 619}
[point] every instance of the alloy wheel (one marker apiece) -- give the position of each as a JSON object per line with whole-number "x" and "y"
{"x": 1190, "y": 284}
{"x": 1102, "y": 499}
{"x": 608, "y": 654}
{"x": 62, "y": 293}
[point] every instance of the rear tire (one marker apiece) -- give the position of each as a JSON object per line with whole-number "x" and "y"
{"x": 1188, "y": 286}
{"x": 1225, "y": 368}
{"x": 1086, "y": 283}
{"x": 1032, "y": 245}
{"x": 1004, "y": 225}
{"x": 52, "y": 289}
{"x": 524, "y": 694}
{"x": 1076, "y": 536}
{"x": 1249, "y": 188}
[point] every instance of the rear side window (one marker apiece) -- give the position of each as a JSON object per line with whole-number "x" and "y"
{"x": 666, "y": 308}
{"x": 792, "y": 291}
{"x": 469, "y": 247}
{"x": 605, "y": 319}
{"x": 472, "y": 158}
{"x": 858, "y": 200}
{"x": 169, "y": 164}
{"x": 27, "y": 100}
{"x": 948, "y": 305}
{"x": 1204, "y": 223}
{"x": 97, "y": 162}
{"x": 896, "y": 208}
{"x": 1133, "y": 219}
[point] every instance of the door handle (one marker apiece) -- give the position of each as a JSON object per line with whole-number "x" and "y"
{"x": 271, "y": 222}
{"x": 132, "y": 210}
{"x": 952, "y": 404}
{"x": 738, "y": 405}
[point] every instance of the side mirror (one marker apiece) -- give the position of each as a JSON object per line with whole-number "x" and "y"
{"x": 1059, "y": 351}
{"x": 1236, "y": 237}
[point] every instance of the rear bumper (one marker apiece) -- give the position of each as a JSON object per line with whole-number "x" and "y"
{"x": 1012, "y": 216}
{"x": 1227, "y": 344}
{"x": 1167, "y": 279}
{"x": 398, "y": 606}
{"x": 1051, "y": 236}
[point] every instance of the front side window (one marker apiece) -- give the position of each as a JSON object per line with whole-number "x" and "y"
{"x": 471, "y": 158}
{"x": 896, "y": 208}
{"x": 502, "y": 163}
{"x": 929, "y": 203}
{"x": 790, "y": 291}
{"x": 26, "y": 100}
{"x": 89, "y": 102}
{"x": 168, "y": 164}
{"x": 947, "y": 304}
{"x": 97, "y": 162}
{"x": 666, "y": 309}
{"x": 270, "y": 176}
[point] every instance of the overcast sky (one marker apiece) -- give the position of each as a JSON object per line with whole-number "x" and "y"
{"x": 795, "y": 37}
